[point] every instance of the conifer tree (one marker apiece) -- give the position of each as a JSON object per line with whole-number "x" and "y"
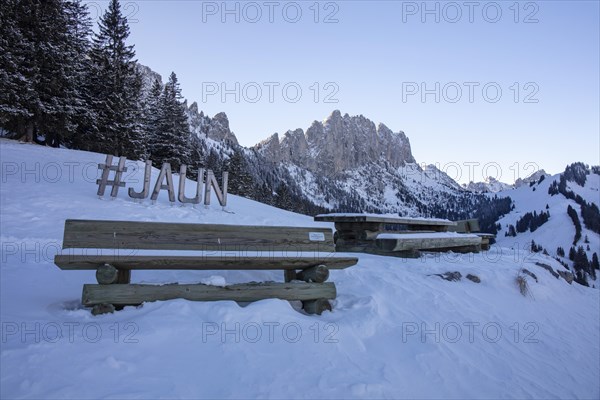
{"x": 171, "y": 140}
{"x": 581, "y": 262}
{"x": 284, "y": 197}
{"x": 152, "y": 116}
{"x": 240, "y": 180}
{"x": 213, "y": 162}
{"x": 77, "y": 112}
{"x": 16, "y": 71}
{"x": 42, "y": 44}
{"x": 115, "y": 89}
{"x": 595, "y": 263}
{"x": 581, "y": 278}
{"x": 572, "y": 253}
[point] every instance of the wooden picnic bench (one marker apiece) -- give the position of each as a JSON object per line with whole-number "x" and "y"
{"x": 304, "y": 254}
{"x": 397, "y": 236}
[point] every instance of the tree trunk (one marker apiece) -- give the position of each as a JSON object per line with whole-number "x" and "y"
{"x": 29, "y": 133}
{"x": 27, "y": 136}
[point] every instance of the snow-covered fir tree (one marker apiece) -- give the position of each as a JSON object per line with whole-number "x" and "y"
{"x": 170, "y": 132}
{"x": 115, "y": 89}
{"x": 152, "y": 115}
{"x": 42, "y": 65}
{"x": 241, "y": 181}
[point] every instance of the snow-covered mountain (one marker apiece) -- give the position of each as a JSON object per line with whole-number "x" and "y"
{"x": 348, "y": 163}
{"x": 548, "y": 224}
{"x": 344, "y": 163}
{"x": 350, "y": 157}
{"x": 531, "y": 179}
{"x": 492, "y": 185}
{"x": 397, "y": 330}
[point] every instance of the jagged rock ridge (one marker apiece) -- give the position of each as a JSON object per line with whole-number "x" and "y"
{"x": 339, "y": 144}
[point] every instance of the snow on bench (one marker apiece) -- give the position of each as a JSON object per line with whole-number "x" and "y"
{"x": 427, "y": 241}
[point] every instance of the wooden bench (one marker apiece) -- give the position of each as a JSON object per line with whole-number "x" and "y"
{"x": 217, "y": 247}
{"x": 396, "y": 236}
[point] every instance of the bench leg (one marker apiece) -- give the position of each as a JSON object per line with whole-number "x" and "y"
{"x": 289, "y": 275}
{"x": 99, "y": 309}
{"x": 318, "y": 274}
{"x": 124, "y": 276}
{"x": 107, "y": 274}
{"x": 316, "y": 306}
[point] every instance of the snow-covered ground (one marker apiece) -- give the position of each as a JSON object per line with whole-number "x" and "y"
{"x": 396, "y": 330}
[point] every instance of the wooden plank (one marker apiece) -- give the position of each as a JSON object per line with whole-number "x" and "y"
{"x": 176, "y": 236}
{"x": 382, "y": 219}
{"x": 83, "y": 262}
{"x": 119, "y": 294}
{"x": 426, "y": 243}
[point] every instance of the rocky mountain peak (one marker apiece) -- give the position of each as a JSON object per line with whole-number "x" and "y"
{"x": 216, "y": 128}
{"x": 340, "y": 143}
{"x": 195, "y": 110}
{"x": 531, "y": 178}
{"x": 270, "y": 148}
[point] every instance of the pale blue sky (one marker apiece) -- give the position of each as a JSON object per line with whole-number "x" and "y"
{"x": 377, "y": 52}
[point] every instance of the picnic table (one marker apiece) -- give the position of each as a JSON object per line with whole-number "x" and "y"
{"x": 397, "y": 236}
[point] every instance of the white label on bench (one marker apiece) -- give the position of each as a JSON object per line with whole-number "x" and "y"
{"x": 316, "y": 236}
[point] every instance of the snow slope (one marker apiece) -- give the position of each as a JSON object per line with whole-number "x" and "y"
{"x": 559, "y": 230}
{"x": 396, "y": 331}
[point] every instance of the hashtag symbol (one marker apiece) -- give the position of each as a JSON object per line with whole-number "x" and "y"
{"x": 116, "y": 182}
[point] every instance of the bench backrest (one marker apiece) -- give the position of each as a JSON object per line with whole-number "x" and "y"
{"x": 183, "y": 236}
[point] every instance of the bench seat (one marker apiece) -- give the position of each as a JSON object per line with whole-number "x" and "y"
{"x": 229, "y": 262}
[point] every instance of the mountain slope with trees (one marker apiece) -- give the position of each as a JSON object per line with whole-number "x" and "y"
{"x": 559, "y": 214}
